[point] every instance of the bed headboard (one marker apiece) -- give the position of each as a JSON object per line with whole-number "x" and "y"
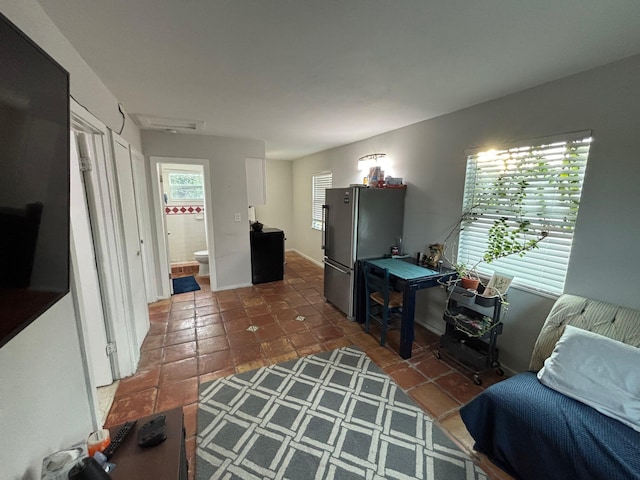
{"x": 613, "y": 321}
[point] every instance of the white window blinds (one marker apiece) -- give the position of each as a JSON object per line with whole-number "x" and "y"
{"x": 320, "y": 182}
{"x": 539, "y": 183}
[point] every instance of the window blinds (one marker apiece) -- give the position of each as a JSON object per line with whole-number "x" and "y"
{"x": 539, "y": 182}
{"x": 320, "y": 182}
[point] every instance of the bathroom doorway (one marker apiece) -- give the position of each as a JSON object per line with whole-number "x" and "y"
{"x": 183, "y": 218}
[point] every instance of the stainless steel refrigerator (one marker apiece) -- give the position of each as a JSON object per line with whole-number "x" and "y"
{"x": 359, "y": 223}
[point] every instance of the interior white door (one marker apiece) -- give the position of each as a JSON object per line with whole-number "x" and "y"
{"x": 165, "y": 228}
{"x": 162, "y": 231}
{"x": 85, "y": 276}
{"x": 144, "y": 212}
{"x": 133, "y": 254}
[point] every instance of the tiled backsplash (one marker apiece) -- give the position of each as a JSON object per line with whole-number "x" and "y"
{"x": 184, "y": 209}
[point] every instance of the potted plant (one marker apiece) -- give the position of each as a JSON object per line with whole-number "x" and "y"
{"x": 506, "y": 237}
{"x": 468, "y": 277}
{"x": 510, "y": 234}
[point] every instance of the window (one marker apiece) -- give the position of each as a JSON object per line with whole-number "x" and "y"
{"x": 321, "y": 181}
{"x": 185, "y": 186}
{"x": 539, "y": 183}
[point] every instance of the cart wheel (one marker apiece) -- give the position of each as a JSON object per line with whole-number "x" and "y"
{"x": 438, "y": 355}
{"x": 499, "y": 371}
{"x": 477, "y": 380}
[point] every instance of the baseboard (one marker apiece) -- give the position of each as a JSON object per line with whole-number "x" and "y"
{"x": 320, "y": 264}
{"x": 231, "y": 287}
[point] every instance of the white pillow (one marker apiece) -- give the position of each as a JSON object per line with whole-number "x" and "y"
{"x": 598, "y": 371}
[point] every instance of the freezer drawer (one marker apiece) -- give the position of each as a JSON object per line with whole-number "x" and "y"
{"x": 338, "y": 287}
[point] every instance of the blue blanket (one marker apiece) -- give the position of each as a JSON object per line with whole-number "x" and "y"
{"x": 534, "y": 432}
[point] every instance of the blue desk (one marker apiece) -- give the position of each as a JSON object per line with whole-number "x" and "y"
{"x": 411, "y": 277}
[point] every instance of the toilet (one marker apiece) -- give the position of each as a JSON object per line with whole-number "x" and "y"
{"x": 203, "y": 262}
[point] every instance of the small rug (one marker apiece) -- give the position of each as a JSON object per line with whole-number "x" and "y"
{"x": 333, "y": 415}
{"x": 185, "y": 284}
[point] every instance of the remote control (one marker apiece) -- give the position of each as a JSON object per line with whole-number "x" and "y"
{"x": 118, "y": 438}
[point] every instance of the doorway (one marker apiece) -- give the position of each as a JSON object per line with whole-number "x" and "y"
{"x": 101, "y": 295}
{"x": 184, "y": 218}
{"x": 183, "y": 197}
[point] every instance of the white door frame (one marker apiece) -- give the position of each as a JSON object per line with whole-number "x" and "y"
{"x": 86, "y": 283}
{"x": 100, "y": 184}
{"x": 165, "y": 284}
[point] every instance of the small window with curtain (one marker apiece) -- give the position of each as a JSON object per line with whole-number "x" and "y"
{"x": 320, "y": 182}
{"x": 538, "y": 182}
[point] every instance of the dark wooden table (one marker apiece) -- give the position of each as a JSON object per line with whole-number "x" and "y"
{"x": 166, "y": 461}
{"x": 411, "y": 278}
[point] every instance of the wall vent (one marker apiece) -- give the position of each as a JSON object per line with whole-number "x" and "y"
{"x": 151, "y": 122}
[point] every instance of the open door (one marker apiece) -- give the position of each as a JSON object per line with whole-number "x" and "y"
{"x": 164, "y": 233}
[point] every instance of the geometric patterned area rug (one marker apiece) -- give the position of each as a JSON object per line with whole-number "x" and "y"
{"x": 333, "y": 415}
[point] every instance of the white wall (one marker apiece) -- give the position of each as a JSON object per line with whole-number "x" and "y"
{"x": 188, "y": 236}
{"x": 278, "y": 211}
{"x": 431, "y": 157}
{"x": 44, "y": 402}
{"x": 44, "y": 405}
{"x": 86, "y": 87}
{"x": 226, "y": 157}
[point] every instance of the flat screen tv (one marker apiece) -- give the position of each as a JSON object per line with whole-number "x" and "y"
{"x": 34, "y": 181}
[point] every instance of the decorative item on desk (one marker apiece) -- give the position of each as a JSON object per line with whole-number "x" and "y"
{"x": 257, "y": 226}
{"x": 98, "y": 441}
{"x": 88, "y": 469}
{"x": 375, "y": 175}
{"x": 394, "y": 250}
{"x": 495, "y": 289}
{"x": 393, "y": 181}
{"x": 436, "y": 251}
{"x": 57, "y": 465}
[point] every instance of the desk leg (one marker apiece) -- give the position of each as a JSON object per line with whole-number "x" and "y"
{"x": 407, "y": 327}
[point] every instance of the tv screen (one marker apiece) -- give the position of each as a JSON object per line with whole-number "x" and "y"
{"x": 34, "y": 181}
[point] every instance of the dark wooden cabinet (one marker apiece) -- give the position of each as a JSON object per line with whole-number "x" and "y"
{"x": 267, "y": 255}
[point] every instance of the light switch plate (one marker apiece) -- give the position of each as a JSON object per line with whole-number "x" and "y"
{"x": 236, "y": 217}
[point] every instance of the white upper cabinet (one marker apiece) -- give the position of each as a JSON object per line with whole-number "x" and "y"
{"x": 256, "y": 181}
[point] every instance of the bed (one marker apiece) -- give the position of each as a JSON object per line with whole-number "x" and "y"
{"x": 576, "y": 413}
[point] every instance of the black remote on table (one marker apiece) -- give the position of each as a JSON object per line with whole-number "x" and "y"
{"x": 118, "y": 438}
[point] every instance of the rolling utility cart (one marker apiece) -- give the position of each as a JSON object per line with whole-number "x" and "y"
{"x": 471, "y": 333}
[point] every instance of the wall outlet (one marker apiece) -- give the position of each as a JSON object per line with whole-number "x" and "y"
{"x": 236, "y": 217}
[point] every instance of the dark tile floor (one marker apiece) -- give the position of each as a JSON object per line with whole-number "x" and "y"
{"x": 198, "y": 336}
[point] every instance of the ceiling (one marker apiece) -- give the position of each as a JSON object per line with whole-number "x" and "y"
{"x": 308, "y": 75}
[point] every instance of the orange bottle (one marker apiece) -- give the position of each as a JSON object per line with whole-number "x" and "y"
{"x": 98, "y": 441}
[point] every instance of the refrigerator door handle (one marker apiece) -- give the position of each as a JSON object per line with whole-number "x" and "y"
{"x": 329, "y": 264}
{"x": 325, "y": 211}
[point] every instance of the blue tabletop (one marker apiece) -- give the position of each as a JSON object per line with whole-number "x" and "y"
{"x": 402, "y": 269}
